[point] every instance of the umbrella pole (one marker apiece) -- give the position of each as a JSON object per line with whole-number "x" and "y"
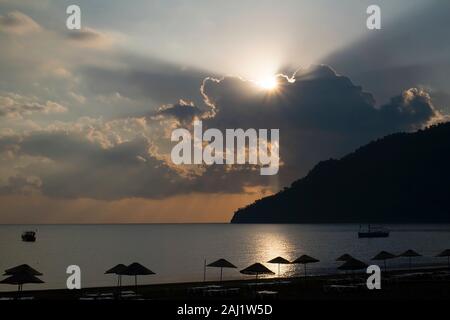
{"x": 204, "y": 271}
{"x": 305, "y": 271}
{"x": 409, "y": 263}
{"x": 120, "y": 285}
{"x": 221, "y": 271}
{"x": 385, "y": 269}
{"x": 278, "y": 270}
{"x": 135, "y": 282}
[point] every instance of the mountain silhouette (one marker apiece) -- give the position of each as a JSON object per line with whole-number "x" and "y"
{"x": 401, "y": 178}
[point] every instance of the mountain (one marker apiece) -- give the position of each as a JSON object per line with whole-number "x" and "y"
{"x": 401, "y": 178}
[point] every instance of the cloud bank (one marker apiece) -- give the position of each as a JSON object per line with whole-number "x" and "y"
{"x": 320, "y": 114}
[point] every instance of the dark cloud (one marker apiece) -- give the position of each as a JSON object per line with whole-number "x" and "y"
{"x": 320, "y": 114}
{"x": 183, "y": 111}
{"x": 149, "y": 79}
{"x": 411, "y": 51}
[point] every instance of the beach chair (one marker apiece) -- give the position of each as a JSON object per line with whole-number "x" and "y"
{"x": 267, "y": 294}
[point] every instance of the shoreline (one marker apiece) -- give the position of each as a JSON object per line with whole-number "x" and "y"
{"x": 418, "y": 283}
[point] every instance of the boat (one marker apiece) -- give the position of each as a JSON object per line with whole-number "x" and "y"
{"x": 377, "y": 232}
{"x": 29, "y": 236}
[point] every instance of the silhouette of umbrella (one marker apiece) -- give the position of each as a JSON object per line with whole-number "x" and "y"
{"x": 136, "y": 269}
{"x": 117, "y": 270}
{"x": 256, "y": 269}
{"x": 20, "y": 279}
{"x": 352, "y": 265}
{"x": 384, "y": 255}
{"x": 23, "y": 268}
{"x": 221, "y": 263}
{"x": 279, "y": 260}
{"x": 344, "y": 257}
{"x": 445, "y": 253}
{"x": 410, "y": 254}
{"x": 305, "y": 259}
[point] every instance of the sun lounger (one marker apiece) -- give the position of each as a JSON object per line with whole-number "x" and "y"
{"x": 233, "y": 291}
{"x": 130, "y": 296}
{"x": 341, "y": 288}
{"x": 267, "y": 294}
{"x": 214, "y": 292}
{"x": 106, "y": 294}
{"x": 128, "y": 292}
{"x": 202, "y": 289}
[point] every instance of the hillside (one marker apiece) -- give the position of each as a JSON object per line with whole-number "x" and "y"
{"x": 400, "y": 178}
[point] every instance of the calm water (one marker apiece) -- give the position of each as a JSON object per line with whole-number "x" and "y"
{"x": 176, "y": 252}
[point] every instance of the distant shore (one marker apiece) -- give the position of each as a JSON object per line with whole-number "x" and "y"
{"x": 419, "y": 283}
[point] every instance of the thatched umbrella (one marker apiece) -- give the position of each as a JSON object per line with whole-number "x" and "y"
{"x": 445, "y": 253}
{"x": 279, "y": 260}
{"x": 23, "y": 268}
{"x": 384, "y": 255}
{"x": 221, "y": 263}
{"x": 256, "y": 269}
{"x": 344, "y": 257}
{"x": 117, "y": 270}
{"x": 353, "y": 265}
{"x": 20, "y": 279}
{"x": 305, "y": 259}
{"x": 410, "y": 254}
{"x": 136, "y": 269}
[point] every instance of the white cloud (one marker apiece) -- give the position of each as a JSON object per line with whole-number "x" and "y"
{"x": 17, "y": 106}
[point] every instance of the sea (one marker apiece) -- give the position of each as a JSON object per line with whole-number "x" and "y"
{"x": 177, "y": 252}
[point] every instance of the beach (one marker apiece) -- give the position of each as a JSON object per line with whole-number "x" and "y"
{"x": 417, "y": 284}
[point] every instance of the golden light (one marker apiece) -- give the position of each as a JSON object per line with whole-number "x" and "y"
{"x": 269, "y": 83}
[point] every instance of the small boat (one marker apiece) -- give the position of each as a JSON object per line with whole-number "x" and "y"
{"x": 29, "y": 236}
{"x": 377, "y": 232}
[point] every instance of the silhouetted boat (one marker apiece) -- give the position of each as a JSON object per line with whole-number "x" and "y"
{"x": 373, "y": 232}
{"x": 29, "y": 236}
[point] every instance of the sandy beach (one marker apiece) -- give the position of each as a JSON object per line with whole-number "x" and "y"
{"x": 416, "y": 284}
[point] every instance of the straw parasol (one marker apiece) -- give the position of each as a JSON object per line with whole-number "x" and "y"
{"x": 136, "y": 269}
{"x": 445, "y": 253}
{"x": 384, "y": 255}
{"x": 353, "y": 265}
{"x": 410, "y": 254}
{"x": 23, "y": 268}
{"x": 221, "y": 263}
{"x": 344, "y": 257}
{"x": 20, "y": 279}
{"x": 305, "y": 259}
{"x": 279, "y": 260}
{"x": 117, "y": 270}
{"x": 256, "y": 269}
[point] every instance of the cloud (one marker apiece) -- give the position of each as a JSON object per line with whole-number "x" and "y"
{"x": 90, "y": 38}
{"x": 184, "y": 112}
{"x": 17, "y": 106}
{"x": 320, "y": 115}
{"x": 21, "y": 185}
{"x": 16, "y": 22}
{"x": 410, "y": 51}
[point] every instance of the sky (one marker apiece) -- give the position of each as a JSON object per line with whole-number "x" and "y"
{"x": 86, "y": 115}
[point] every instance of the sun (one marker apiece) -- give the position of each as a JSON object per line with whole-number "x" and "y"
{"x": 268, "y": 83}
